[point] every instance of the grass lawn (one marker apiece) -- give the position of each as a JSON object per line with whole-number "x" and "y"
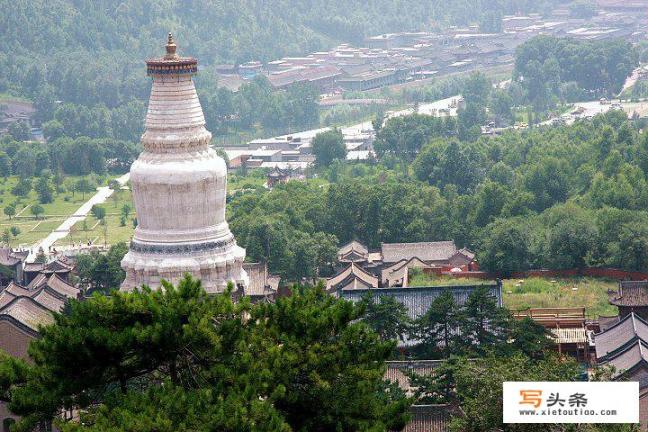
{"x": 521, "y": 294}
{"x": 32, "y": 229}
{"x": 420, "y": 279}
{"x": 570, "y": 292}
{"x": 91, "y": 229}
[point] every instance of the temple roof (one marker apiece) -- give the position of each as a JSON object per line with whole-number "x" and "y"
{"x": 397, "y": 371}
{"x": 425, "y": 418}
{"x": 353, "y": 245}
{"x": 10, "y": 258}
{"x": 261, "y": 284}
{"x": 615, "y": 339}
{"x": 343, "y": 279}
{"x": 426, "y": 251}
{"x": 630, "y": 357}
{"x": 631, "y": 293}
{"x": 353, "y": 251}
{"x": 33, "y": 306}
{"x": 430, "y": 418}
{"x": 418, "y": 300}
{"x": 28, "y": 312}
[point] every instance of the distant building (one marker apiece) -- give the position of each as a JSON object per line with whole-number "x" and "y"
{"x": 631, "y": 297}
{"x": 392, "y": 263}
{"x": 262, "y": 286}
{"x": 372, "y": 80}
{"x": 250, "y": 69}
{"x": 322, "y": 77}
{"x": 59, "y": 266}
{"x": 282, "y": 175}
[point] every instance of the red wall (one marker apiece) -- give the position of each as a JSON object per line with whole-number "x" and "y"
{"x": 609, "y": 273}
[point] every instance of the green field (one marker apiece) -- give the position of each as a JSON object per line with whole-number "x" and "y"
{"x": 114, "y": 232}
{"x": 419, "y": 279}
{"x": 520, "y": 294}
{"x": 65, "y": 204}
{"x": 591, "y": 293}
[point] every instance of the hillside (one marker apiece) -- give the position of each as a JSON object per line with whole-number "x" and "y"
{"x": 98, "y": 34}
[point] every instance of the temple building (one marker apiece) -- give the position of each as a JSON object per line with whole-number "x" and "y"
{"x": 631, "y": 297}
{"x": 179, "y": 187}
{"x": 624, "y": 346}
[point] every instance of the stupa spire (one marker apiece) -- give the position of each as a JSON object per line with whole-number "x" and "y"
{"x": 170, "y": 48}
{"x": 179, "y": 187}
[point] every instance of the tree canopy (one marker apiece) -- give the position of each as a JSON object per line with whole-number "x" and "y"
{"x": 180, "y": 360}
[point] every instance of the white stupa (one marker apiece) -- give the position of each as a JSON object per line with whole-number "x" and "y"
{"x": 179, "y": 187}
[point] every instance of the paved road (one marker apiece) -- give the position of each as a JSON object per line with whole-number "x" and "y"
{"x": 103, "y": 193}
{"x": 424, "y": 108}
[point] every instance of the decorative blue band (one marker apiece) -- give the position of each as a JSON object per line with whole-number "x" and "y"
{"x": 181, "y": 248}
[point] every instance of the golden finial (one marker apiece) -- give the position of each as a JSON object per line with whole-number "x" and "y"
{"x": 170, "y": 49}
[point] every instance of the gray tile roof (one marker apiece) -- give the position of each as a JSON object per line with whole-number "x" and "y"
{"x": 261, "y": 283}
{"x": 628, "y": 358}
{"x": 419, "y": 299}
{"x": 427, "y": 251}
{"x": 33, "y": 306}
{"x": 613, "y": 340}
{"x": 343, "y": 278}
{"x": 353, "y": 251}
{"x": 631, "y": 293}
{"x": 397, "y": 370}
{"x": 430, "y": 418}
{"x": 27, "y": 312}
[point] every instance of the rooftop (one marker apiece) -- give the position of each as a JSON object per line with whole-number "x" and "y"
{"x": 631, "y": 293}
{"x": 427, "y": 251}
{"x": 615, "y": 340}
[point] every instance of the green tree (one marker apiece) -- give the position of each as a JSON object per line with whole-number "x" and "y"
{"x": 5, "y": 165}
{"x": 10, "y": 210}
{"x": 84, "y": 185}
{"x": 20, "y": 130}
{"x": 22, "y": 188}
{"x": 437, "y": 328}
{"x": 125, "y": 210}
{"x": 347, "y": 361}
{"x": 37, "y": 210}
{"x": 478, "y": 385}
{"x": 99, "y": 212}
{"x": 386, "y": 316}
{"x": 15, "y": 231}
{"x": 328, "y": 146}
{"x": 505, "y": 247}
{"x": 196, "y": 362}
{"x": 115, "y": 186}
{"x": 485, "y": 323}
{"x": 45, "y": 190}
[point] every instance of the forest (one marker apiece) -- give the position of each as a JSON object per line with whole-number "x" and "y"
{"x": 549, "y": 197}
{"x": 551, "y": 69}
{"x": 86, "y": 57}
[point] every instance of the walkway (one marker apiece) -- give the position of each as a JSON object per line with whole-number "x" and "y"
{"x": 103, "y": 193}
